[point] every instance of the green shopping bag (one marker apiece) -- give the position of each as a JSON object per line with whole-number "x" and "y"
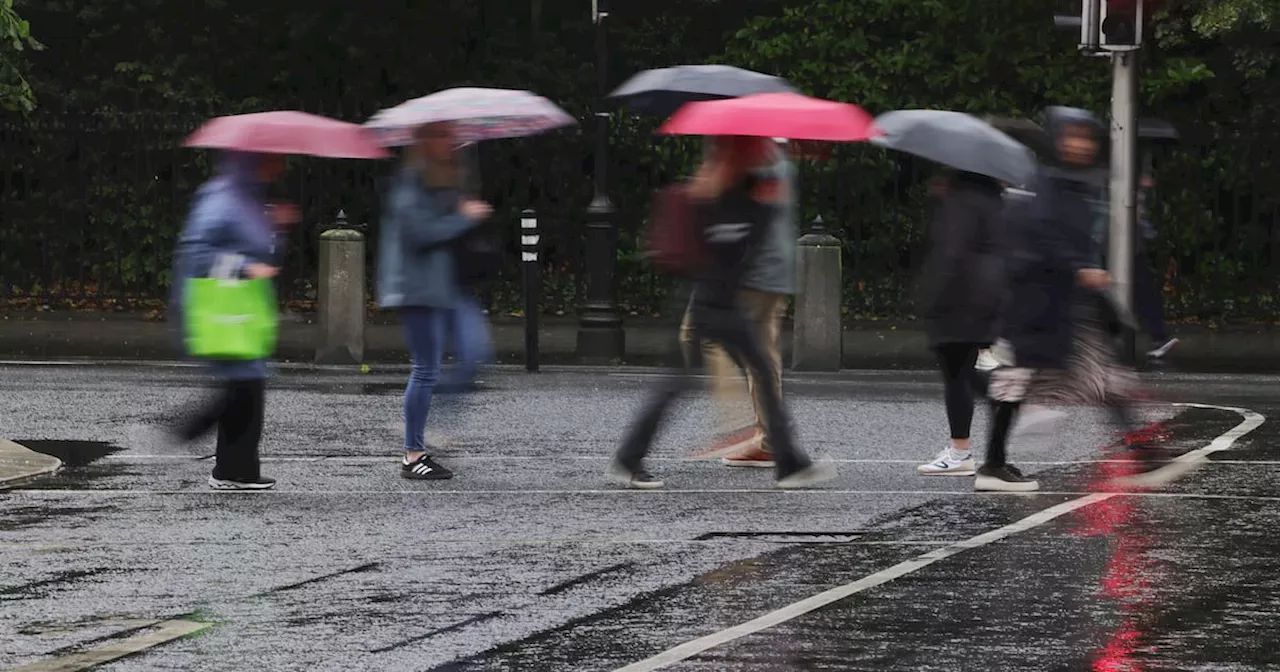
{"x": 230, "y": 319}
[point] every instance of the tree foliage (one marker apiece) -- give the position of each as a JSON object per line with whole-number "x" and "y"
{"x": 15, "y": 40}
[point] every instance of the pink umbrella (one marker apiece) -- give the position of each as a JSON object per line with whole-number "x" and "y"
{"x": 774, "y": 115}
{"x": 287, "y": 132}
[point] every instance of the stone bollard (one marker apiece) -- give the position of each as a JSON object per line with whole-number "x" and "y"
{"x": 818, "y": 341}
{"x": 341, "y": 303}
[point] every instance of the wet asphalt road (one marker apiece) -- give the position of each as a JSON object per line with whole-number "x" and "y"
{"x": 528, "y": 560}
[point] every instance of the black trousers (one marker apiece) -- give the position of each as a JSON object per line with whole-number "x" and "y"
{"x": 960, "y": 382}
{"x": 729, "y": 327}
{"x": 1147, "y": 301}
{"x": 237, "y": 413}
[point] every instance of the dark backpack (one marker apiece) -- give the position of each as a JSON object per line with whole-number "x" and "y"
{"x": 675, "y": 239}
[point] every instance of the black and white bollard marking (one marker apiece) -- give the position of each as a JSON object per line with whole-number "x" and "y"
{"x": 532, "y": 286}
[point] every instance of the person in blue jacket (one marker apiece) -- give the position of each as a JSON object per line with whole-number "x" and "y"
{"x": 426, "y": 213}
{"x": 230, "y": 233}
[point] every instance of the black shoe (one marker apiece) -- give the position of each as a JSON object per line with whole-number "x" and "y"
{"x": 633, "y": 477}
{"x": 424, "y": 469}
{"x": 1003, "y": 479}
{"x": 260, "y": 483}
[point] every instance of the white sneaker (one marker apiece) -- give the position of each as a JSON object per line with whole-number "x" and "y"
{"x": 1163, "y": 349}
{"x": 948, "y": 463}
{"x": 986, "y": 361}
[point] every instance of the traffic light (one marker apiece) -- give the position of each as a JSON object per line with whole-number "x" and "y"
{"x": 1121, "y": 24}
{"x": 1108, "y": 25}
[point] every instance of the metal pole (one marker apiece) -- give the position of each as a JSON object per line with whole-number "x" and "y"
{"x": 600, "y": 334}
{"x": 532, "y": 286}
{"x": 1124, "y": 183}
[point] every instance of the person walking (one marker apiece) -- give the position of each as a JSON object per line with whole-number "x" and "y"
{"x": 1146, "y": 291}
{"x": 966, "y": 287}
{"x": 230, "y": 234}
{"x": 767, "y": 284}
{"x": 733, "y": 209}
{"x": 1058, "y": 337}
{"x": 418, "y": 277}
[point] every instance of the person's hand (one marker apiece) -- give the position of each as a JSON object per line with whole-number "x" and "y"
{"x": 476, "y": 210}
{"x": 1093, "y": 278}
{"x": 260, "y": 271}
{"x": 284, "y": 215}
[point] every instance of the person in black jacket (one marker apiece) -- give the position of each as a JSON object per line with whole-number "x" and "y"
{"x": 1058, "y": 336}
{"x": 734, "y": 209}
{"x": 965, "y": 290}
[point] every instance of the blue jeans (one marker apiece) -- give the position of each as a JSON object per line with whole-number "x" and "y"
{"x": 426, "y": 330}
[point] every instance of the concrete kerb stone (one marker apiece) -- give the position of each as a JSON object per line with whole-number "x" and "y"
{"x": 19, "y": 464}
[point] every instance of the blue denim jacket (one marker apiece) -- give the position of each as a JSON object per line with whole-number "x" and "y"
{"x": 415, "y": 217}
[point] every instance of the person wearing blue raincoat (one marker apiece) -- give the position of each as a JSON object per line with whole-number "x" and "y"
{"x": 229, "y": 231}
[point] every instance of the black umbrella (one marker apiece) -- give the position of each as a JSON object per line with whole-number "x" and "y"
{"x": 662, "y": 91}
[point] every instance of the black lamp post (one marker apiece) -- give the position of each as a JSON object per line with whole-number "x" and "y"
{"x": 600, "y": 334}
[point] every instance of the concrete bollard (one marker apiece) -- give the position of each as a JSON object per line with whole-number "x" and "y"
{"x": 818, "y": 341}
{"x": 341, "y": 304}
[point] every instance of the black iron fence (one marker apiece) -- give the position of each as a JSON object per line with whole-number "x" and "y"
{"x": 90, "y": 207}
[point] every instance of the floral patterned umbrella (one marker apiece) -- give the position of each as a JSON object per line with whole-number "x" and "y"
{"x": 478, "y": 114}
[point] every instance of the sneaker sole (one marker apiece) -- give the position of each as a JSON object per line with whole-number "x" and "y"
{"x": 756, "y": 464}
{"x": 217, "y": 484}
{"x": 993, "y": 484}
{"x": 967, "y": 471}
{"x": 438, "y": 476}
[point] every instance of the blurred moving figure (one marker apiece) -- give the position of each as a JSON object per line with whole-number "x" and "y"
{"x": 419, "y": 276}
{"x": 1146, "y": 289}
{"x": 731, "y": 211}
{"x": 229, "y": 229}
{"x": 1058, "y": 340}
{"x": 966, "y": 285}
{"x": 767, "y": 283}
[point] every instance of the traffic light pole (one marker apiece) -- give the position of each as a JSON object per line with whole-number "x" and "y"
{"x": 1124, "y": 185}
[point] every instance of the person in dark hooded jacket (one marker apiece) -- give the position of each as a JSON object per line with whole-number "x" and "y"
{"x": 1058, "y": 336}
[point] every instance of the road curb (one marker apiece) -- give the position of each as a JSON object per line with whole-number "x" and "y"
{"x": 19, "y": 464}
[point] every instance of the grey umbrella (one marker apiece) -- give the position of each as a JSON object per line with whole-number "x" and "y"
{"x": 958, "y": 140}
{"x": 664, "y": 90}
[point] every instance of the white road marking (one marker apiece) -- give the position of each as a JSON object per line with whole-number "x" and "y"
{"x": 165, "y": 631}
{"x": 692, "y": 648}
{"x": 1188, "y": 462}
{"x": 428, "y": 491}
{"x": 392, "y": 459}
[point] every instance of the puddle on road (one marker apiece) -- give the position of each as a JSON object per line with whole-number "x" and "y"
{"x": 72, "y": 453}
{"x": 81, "y": 463}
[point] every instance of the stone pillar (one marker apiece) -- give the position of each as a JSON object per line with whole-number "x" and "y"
{"x": 341, "y": 303}
{"x": 818, "y": 340}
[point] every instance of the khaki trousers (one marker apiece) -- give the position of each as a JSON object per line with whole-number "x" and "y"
{"x": 764, "y": 311}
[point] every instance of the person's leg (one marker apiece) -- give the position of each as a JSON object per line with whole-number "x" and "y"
{"x": 731, "y": 329}
{"x": 472, "y": 343}
{"x": 628, "y": 461}
{"x": 424, "y": 334}
{"x": 763, "y": 312}
{"x": 956, "y": 361}
{"x": 239, "y": 436}
{"x": 206, "y": 416}
{"x": 1009, "y": 388}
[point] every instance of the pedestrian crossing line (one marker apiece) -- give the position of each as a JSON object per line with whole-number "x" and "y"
{"x": 163, "y": 632}
{"x": 390, "y": 459}
{"x": 697, "y": 646}
{"x": 284, "y": 492}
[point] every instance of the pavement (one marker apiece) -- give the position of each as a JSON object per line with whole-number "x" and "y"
{"x": 529, "y": 560}
{"x": 868, "y": 344}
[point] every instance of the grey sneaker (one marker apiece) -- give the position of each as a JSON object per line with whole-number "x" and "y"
{"x": 259, "y": 483}
{"x": 818, "y": 472}
{"x": 636, "y": 478}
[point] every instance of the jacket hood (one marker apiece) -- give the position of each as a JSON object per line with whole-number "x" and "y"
{"x": 1056, "y": 122}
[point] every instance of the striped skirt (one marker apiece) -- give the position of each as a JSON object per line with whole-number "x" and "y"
{"x": 1092, "y": 375}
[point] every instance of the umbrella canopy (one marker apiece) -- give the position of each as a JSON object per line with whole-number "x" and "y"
{"x": 774, "y": 115}
{"x": 661, "y": 92}
{"x": 958, "y": 140}
{"x": 287, "y": 132}
{"x": 478, "y": 114}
